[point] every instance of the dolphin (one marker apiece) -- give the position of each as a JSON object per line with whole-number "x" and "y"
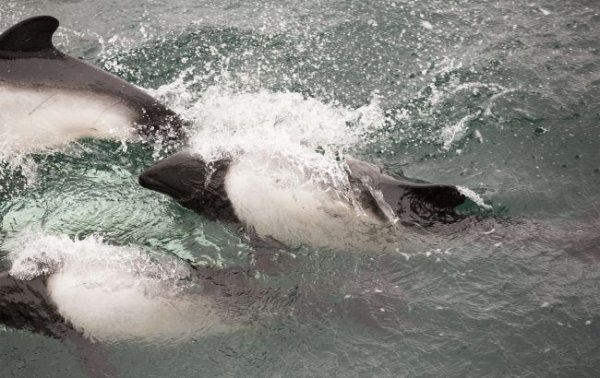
{"x": 49, "y": 98}
{"x": 27, "y": 305}
{"x": 235, "y": 193}
{"x": 35, "y": 304}
{"x": 76, "y": 308}
{"x": 88, "y": 293}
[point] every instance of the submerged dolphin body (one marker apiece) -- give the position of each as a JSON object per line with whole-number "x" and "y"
{"x": 298, "y": 213}
{"x": 80, "y": 311}
{"x": 58, "y": 287}
{"x": 37, "y": 306}
{"x": 89, "y": 293}
{"x": 49, "y": 98}
{"x": 27, "y": 305}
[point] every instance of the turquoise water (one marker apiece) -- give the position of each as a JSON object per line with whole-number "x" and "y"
{"x": 502, "y": 97}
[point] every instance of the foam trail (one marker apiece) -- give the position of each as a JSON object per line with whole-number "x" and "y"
{"x": 450, "y": 134}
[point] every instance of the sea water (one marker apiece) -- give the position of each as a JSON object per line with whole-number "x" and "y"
{"x": 498, "y": 97}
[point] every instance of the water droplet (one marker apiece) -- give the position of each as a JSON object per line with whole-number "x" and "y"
{"x": 427, "y": 25}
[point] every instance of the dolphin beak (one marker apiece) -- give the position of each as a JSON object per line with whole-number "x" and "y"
{"x": 150, "y": 180}
{"x": 180, "y": 176}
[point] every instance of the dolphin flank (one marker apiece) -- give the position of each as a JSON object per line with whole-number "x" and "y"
{"x": 49, "y": 98}
{"x": 272, "y": 200}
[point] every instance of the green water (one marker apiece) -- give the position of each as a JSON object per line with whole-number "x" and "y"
{"x": 502, "y": 97}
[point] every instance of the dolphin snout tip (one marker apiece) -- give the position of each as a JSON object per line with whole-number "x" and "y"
{"x": 145, "y": 179}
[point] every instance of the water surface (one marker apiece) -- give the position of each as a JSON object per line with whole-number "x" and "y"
{"x": 502, "y": 97}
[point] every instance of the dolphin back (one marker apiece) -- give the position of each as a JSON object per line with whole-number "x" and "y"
{"x": 29, "y": 62}
{"x": 411, "y": 202}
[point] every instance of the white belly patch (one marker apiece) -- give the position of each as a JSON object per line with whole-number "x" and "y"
{"x": 281, "y": 202}
{"x": 34, "y": 119}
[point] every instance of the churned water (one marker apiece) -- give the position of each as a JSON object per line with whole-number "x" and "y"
{"x": 499, "y": 97}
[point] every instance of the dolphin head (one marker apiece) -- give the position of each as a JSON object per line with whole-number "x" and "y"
{"x": 193, "y": 183}
{"x": 180, "y": 176}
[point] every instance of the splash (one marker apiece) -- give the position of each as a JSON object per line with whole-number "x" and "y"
{"x": 35, "y": 253}
{"x": 452, "y": 133}
{"x": 11, "y": 167}
{"x": 443, "y": 112}
{"x": 303, "y": 134}
{"x": 470, "y": 194}
{"x": 230, "y": 124}
{"x": 288, "y": 177}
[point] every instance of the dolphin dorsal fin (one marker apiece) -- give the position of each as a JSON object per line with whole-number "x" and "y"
{"x": 31, "y": 35}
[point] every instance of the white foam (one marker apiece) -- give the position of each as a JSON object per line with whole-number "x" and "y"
{"x": 23, "y": 163}
{"x": 473, "y": 197}
{"x": 288, "y": 178}
{"x": 452, "y": 133}
{"x": 230, "y": 123}
{"x": 115, "y": 293}
{"x": 545, "y": 12}
{"x": 455, "y": 128}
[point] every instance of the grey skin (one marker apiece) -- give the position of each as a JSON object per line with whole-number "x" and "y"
{"x": 199, "y": 186}
{"x": 193, "y": 183}
{"x": 27, "y": 305}
{"x": 28, "y": 59}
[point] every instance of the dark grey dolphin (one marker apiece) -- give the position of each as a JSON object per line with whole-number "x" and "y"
{"x": 203, "y": 188}
{"x": 409, "y": 201}
{"x": 193, "y": 183}
{"x": 30, "y": 305}
{"x": 45, "y": 93}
